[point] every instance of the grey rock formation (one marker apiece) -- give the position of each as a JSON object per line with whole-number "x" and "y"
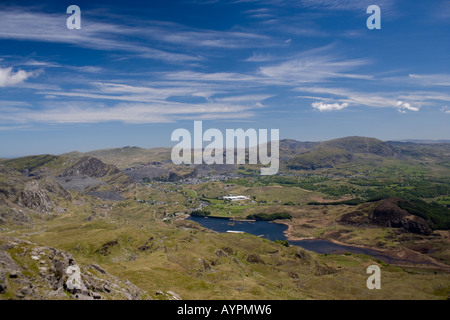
{"x": 42, "y": 272}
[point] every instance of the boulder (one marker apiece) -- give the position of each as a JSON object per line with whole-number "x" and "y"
{"x": 173, "y": 295}
{"x": 73, "y": 283}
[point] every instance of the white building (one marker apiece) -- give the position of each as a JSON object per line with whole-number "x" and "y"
{"x": 235, "y": 198}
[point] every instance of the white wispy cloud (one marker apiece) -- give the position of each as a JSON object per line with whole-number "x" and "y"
{"x": 13, "y": 128}
{"x": 131, "y": 93}
{"x": 147, "y": 92}
{"x": 260, "y": 57}
{"x": 425, "y": 97}
{"x": 441, "y": 10}
{"x": 255, "y": 98}
{"x": 212, "y": 38}
{"x": 44, "y": 64}
{"x": 305, "y": 68}
{"x": 313, "y": 69}
{"x": 22, "y": 24}
{"x": 323, "y": 4}
{"x": 431, "y": 79}
{"x": 213, "y": 76}
{"x": 136, "y": 113}
{"x": 442, "y": 79}
{"x": 224, "y": 92}
{"x": 117, "y": 102}
{"x": 340, "y": 4}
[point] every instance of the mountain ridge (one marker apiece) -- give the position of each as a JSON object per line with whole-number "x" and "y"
{"x": 155, "y": 163}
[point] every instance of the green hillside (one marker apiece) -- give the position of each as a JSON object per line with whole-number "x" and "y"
{"x": 360, "y": 145}
{"x": 32, "y": 163}
{"x": 327, "y": 157}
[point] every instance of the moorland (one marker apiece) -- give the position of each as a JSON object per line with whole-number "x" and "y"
{"x": 121, "y": 215}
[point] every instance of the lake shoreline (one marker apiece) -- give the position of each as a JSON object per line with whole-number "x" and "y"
{"x": 402, "y": 257}
{"x": 410, "y": 257}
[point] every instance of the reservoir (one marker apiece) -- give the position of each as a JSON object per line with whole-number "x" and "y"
{"x": 265, "y": 229}
{"x": 275, "y": 231}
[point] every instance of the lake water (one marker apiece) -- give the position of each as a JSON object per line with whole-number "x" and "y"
{"x": 275, "y": 231}
{"x": 266, "y": 229}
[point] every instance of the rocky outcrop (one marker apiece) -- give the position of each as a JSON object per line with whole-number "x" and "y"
{"x": 105, "y": 250}
{"x": 37, "y": 195}
{"x": 78, "y": 183}
{"x": 388, "y": 214}
{"x": 322, "y": 270}
{"x": 92, "y": 176}
{"x": 31, "y": 271}
{"x": 91, "y": 167}
{"x": 36, "y": 198}
{"x": 21, "y": 196}
{"x": 254, "y": 258}
{"x": 303, "y": 255}
{"x": 16, "y": 216}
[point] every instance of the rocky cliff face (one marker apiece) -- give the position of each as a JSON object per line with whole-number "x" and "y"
{"x": 31, "y": 271}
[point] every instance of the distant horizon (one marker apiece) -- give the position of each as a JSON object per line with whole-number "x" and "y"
{"x": 425, "y": 141}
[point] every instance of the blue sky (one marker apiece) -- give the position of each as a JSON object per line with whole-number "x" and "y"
{"x": 137, "y": 70}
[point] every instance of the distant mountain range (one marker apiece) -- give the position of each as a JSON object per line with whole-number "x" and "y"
{"x": 423, "y": 141}
{"x": 140, "y": 163}
{"x": 45, "y": 185}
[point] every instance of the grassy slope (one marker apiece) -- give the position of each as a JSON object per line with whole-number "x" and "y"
{"x": 33, "y": 163}
{"x": 183, "y": 258}
{"x": 181, "y": 251}
{"x": 359, "y": 145}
